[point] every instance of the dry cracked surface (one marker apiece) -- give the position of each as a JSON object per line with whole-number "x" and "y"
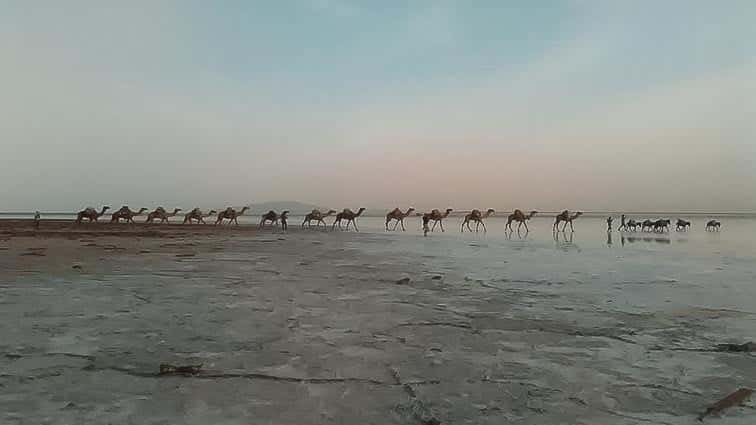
{"x": 309, "y": 328}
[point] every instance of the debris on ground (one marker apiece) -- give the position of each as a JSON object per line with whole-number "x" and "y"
{"x": 169, "y": 369}
{"x": 734, "y": 399}
{"x": 748, "y": 347}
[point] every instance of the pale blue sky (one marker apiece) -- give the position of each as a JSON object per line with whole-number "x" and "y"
{"x": 549, "y": 104}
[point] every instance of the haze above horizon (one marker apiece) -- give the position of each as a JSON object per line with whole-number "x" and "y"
{"x": 585, "y": 105}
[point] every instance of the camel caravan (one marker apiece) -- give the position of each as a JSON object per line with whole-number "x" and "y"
{"x": 662, "y": 225}
{"x": 394, "y": 219}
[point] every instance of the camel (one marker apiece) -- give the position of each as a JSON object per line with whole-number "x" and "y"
{"x": 713, "y": 225}
{"x": 197, "y": 215}
{"x": 162, "y": 214}
{"x": 231, "y": 215}
{"x": 317, "y": 216}
{"x": 274, "y": 218}
{"x": 661, "y": 225}
{"x": 647, "y": 225}
{"x": 632, "y": 225}
{"x": 566, "y": 218}
{"x": 477, "y": 217}
{"x": 90, "y": 214}
{"x": 126, "y": 213}
{"x": 682, "y": 225}
{"x": 520, "y": 217}
{"x": 349, "y": 216}
{"x": 399, "y": 216}
{"x": 437, "y": 218}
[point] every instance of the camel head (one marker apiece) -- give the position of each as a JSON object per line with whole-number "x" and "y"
{"x": 532, "y": 213}
{"x": 361, "y": 210}
{"x": 331, "y": 212}
{"x": 577, "y": 214}
{"x": 242, "y": 210}
{"x": 212, "y": 212}
{"x": 284, "y": 214}
{"x": 410, "y": 210}
{"x": 176, "y": 210}
{"x": 141, "y": 210}
{"x": 490, "y": 211}
{"x": 448, "y": 211}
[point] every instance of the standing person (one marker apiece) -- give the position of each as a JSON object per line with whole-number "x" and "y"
{"x": 37, "y": 217}
{"x": 609, "y": 221}
{"x": 622, "y": 223}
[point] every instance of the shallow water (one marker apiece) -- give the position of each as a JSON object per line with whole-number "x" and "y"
{"x": 625, "y": 271}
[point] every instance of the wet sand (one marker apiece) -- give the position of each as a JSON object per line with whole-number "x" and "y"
{"x": 315, "y": 327}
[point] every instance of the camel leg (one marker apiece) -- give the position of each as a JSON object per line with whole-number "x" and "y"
{"x": 462, "y": 228}
{"x": 388, "y": 220}
{"x": 397, "y": 225}
{"x": 433, "y": 229}
{"x": 403, "y": 229}
{"x": 441, "y": 223}
{"x": 484, "y": 227}
{"x": 354, "y": 224}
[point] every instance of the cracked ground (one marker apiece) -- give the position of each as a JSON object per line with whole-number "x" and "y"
{"x": 313, "y": 328}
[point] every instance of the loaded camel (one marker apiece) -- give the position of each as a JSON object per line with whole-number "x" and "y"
{"x": 661, "y": 225}
{"x": 632, "y": 225}
{"x": 90, "y": 214}
{"x": 162, "y": 214}
{"x": 126, "y": 213}
{"x": 274, "y": 219}
{"x": 197, "y": 215}
{"x": 713, "y": 225}
{"x": 520, "y": 217}
{"x": 317, "y": 216}
{"x": 399, "y": 216}
{"x": 231, "y": 215}
{"x": 349, "y": 216}
{"x": 477, "y": 217}
{"x": 437, "y": 218}
{"x": 566, "y": 218}
{"x": 682, "y": 225}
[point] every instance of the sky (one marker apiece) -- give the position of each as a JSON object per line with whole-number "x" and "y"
{"x": 549, "y": 105}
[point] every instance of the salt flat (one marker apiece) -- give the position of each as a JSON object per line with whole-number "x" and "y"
{"x": 312, "y": 327}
